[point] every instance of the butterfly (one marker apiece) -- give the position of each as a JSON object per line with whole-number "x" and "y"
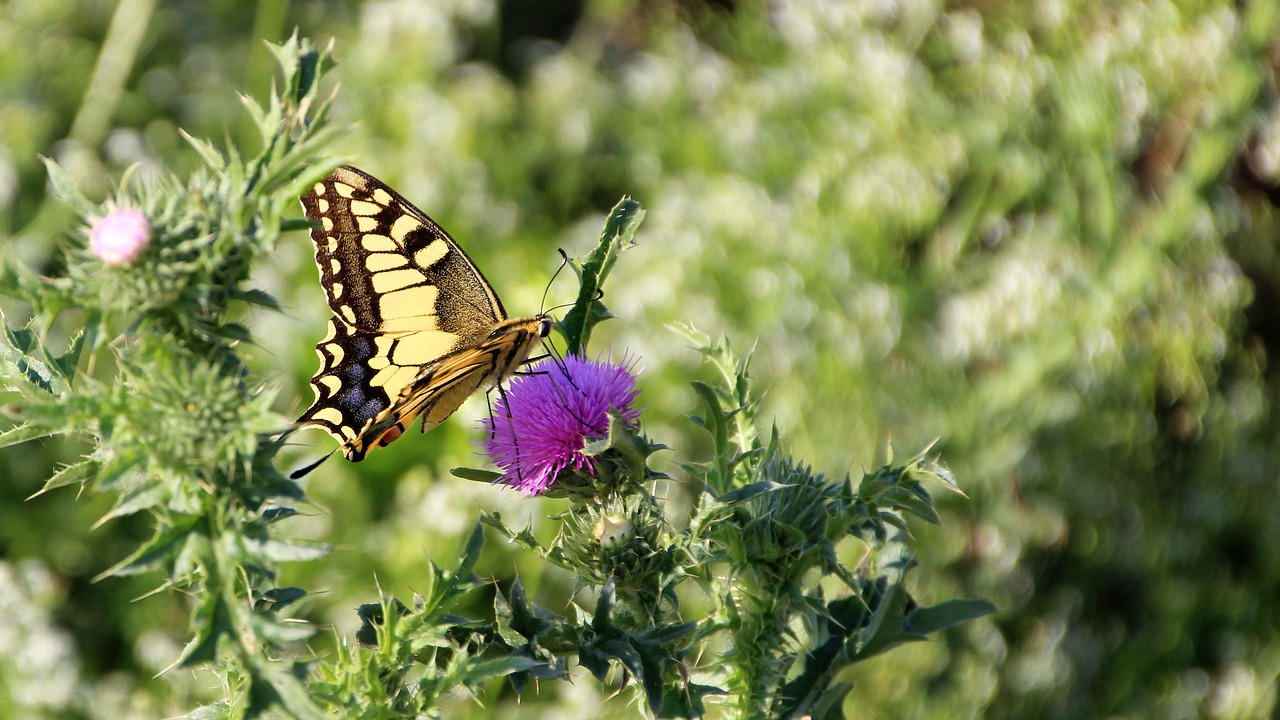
{"x": 416, "y": 328}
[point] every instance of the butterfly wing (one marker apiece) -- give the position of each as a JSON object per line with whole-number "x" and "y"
{"x": 403, "y": 296}
{"x": 442, "y": 386}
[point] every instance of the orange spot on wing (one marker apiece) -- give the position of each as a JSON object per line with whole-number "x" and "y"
{"x": 390, "y": 435}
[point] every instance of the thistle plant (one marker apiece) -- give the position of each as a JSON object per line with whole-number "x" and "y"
{"x": 178, "y": 428}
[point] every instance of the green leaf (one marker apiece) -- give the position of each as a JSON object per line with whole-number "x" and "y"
{"x": 525, "y": 537}
{"x": 261, "y": 298}
{"x": 749, "y": 491}
{"x": 275, "y": 515}
{"x": 276, "y": 683}
{"x": 17, "y": 350}
{"x": 166, "y": 543}
{"x": 525, "y": 627}
{"x": 476, "y": 474}
{"x": 669, "y": 633}
{"x": 281, "y": 632}
{"x": 374, "y": 616}
{"x": 478, "y": 672}
{"x": 844, "y": 618}
{"x": 279, "y": 598}
{"x": 67, "y": 362}
{"x": 719, "y": 476}
{"x": 687, "y": 702}
{"x": 278, "y": 550}
{"x": 70, "y": 475}
{"x": 645, "y": 658}
{"x": 470, "y": 554}
{"x": 652, "y": 659}
{"x": 525, "y": 618}
{"x": 602, "y": 622}
{"x": 216, "y": 711}
{"x": 618, "y": 235}
{"x": 829, "y": 705}
{"x": 205, "y": 149}
{"x": 144, "y": 495}
{"x": 926, "y": 620}
{"x": 65, "y": 188}
{"x": 912, "y": 502}
{"x": 888, "y": 628}
{"x": 234, "y": 332}
{"x": 21, "y": 283}
{"x": 296, "y": 224}
{"x": 23, "y": 433}
{"x": 211, "y": 620}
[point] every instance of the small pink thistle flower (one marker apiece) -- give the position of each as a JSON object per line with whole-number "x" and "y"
{"x": 541, "y": 424}
{"x": 120, "y": 237}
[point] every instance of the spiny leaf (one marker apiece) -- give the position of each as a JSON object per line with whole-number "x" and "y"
{"x": 65, "y": 188}
{"x": 470, "y": 556}
{"x": 948, "y": 614}
{"x": 749, "y": 491}
{"x": 75, "y": 474}
{"x": 18, "y": 349}
{"x": 279, "y": 598}
{"x": 205, "y": 150}
{"x": 167, "y": 542}
{"x": 261, "y": 298}
{"x": 66, "y": 363}
{"x": 618, "y": 235}
{"x": 23, "y": 433}
{"x": 144, "y": 495}
{"x": 478, "y": 672}
{"x": 476, "y": 474}
{"x": 211, "y": 620}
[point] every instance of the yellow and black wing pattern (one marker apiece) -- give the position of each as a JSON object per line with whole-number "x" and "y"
{"x": 416, "y": 329}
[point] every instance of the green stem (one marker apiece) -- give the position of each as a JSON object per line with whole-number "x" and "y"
{"x": 124, "y": 37}
{"x": 758, "y": 646}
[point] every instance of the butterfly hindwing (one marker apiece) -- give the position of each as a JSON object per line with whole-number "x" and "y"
{"x": 345, "y": 397}
{"x": 415, "y": 325}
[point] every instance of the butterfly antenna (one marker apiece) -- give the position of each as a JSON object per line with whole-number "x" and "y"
{"x": 553, "y": 308}
{"x": 564, "y": 262}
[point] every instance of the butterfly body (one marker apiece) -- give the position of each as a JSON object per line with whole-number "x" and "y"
{"x": 416, "y": 329}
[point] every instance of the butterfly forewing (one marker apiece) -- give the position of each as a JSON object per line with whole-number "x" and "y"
{"x": 385, "y": 266}
{"x": 407, "y": 302}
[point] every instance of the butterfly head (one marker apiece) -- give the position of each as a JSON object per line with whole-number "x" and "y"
{"x": 529, "y": 330}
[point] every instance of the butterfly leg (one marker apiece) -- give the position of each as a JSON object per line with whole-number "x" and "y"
{"x": 564, "y": 401}
{"x": 511, "y": 425}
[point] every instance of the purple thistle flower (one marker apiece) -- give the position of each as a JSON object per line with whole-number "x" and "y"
{"x": 541, "y": 423}
{"x": 118, "y": 238}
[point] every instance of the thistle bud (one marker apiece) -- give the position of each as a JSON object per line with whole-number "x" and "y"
{"x": 612, "y": 530}
{"x": 120, "y": 237}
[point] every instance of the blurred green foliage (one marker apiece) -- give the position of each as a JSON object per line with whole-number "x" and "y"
{"x": 1043, "y": 231}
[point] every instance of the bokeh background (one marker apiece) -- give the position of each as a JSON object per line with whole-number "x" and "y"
{"x": 1044, "y": 232}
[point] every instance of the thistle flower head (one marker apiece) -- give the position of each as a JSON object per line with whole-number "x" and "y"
{"x": 541, "y": 424}
{"x": 120, "y": 236}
